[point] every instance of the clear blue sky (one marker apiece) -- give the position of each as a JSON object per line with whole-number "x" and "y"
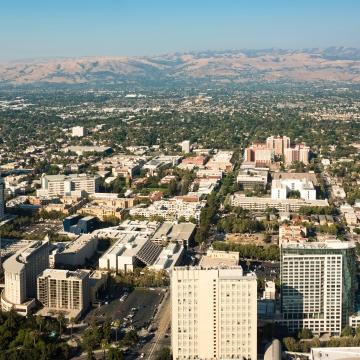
{"x": 49, "y": 28}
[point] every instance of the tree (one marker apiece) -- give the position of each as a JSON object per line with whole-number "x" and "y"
{"x": 291, "y": 344}
{"x": 104, "y": 346}
{"x": 305, "y": 333}
{"x": 131, "y": 337}
{"x": 347, "y": 331}
{"x": 164, "y": 354}
{"x": 61, "y": 320}
{"x": 173, "y": 187}
{"x": 115, "y": 354}
{"x": 357, "y": 331}
{"x": 40, "y": 322}
{"x": 72, "y": 321}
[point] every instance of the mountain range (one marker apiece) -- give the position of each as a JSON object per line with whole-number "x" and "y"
{"x": 337, "y": 64}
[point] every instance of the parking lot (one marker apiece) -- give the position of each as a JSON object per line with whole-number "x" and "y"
{"x": 263, "y": 269}
{"x": 145, "y": 302}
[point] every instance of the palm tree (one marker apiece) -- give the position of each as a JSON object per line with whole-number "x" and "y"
{"x": 35, "y": 335}
{"x": 61, "y": 320}
{"x": 117, "y": 326}
{"x": 104, "y": 346}
{"x": 72, "y": 322}
{"x": 40, "y": 322}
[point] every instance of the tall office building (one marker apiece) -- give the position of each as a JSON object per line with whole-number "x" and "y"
{"x": 298, "y": 153}
{"x": 2, "y": 197}
{"x": 318, "y": 285}
{"x": 185, "y": 146}
{"x": 78, "y": 131}
{"x": 214, "y": 313}
{"x": 278, "y": 144}
{"x": 64, "y": 290}
{"x": 21, "y": 271}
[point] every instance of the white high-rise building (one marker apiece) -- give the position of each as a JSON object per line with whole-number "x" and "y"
{"x": 64, "y": 290}
{"x": 185, "y": 146}
{"x": 65, "y": 185}
{"x": 318, "y": 285}
{"x": 78, "y": 131}
{"x": 21, "y": 271}
{"x": 2, "y": 197}
{"x": 281, "y": 188}
{"x": 214, "y": 313}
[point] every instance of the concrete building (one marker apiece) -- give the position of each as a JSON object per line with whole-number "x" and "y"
{"x": 185, "y": 146}
{"x": 77, "y": 252}
{"x": 20, "y": 273}
{"x": 170, "y": 256}
{"x": 160, "y": 162}
{"x": 273, "y": 351}
{"x": 66, "y": 185}
{"x": 102, "y": 212}
{"x": 2, "y": 197}
{"x": 128, "y": 252}
{"x": 171, "y": 210}
{"x": 259, "y": 153}
{"x": 337, "y": 353}
{"x": 81, "y": 150}
{"x": 318, "y": 285}
{"x": 255, "y": 203}
{"x": 182, "y": 233}
{"x": 221, "y": 161}
{"x": 270, "y": 291}
{"x": 78, "y": 131}
{"x": 250, "y": 181}
{"x": 65, "y": 291}
{"x": 278, "y": 144}
{"x": 217, "y": 258}
{"x": 298, "y": 153}
{"x": 281, "y": 188}
{"x": 132, "y": 246}
{"x": 214, "y": 313}
{"x": 98, "y": 283}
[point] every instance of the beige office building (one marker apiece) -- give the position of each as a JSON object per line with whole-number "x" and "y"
{"x": 64, "y": 290}
{"x": 2, "y": 197}
{"x": 278, "y": 144}
{"x": 20, "y": 272}
{"x": 214, "y": 313}
{"x": 66, "y": 185}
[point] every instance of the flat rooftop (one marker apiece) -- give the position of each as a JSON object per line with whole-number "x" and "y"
{"x": 79, "y": 243}
{"x": 329, "y": 244}
{"x": 215, "y": 258}
{"x": 59, "y": 274}
{"x": 296, "y": 176}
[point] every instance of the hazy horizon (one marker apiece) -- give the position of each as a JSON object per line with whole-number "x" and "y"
{"x": 68, "y": 29}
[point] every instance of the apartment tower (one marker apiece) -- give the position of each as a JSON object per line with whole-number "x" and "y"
{"x": 20, "y": 272}
{"x": 64, "y": 290}
{"x": 214, "y": 313}
{"x": 318, "y": 285}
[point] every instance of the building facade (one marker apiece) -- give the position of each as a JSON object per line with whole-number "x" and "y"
{"x": 64, "y": 290}
{"x": 278, "y": 144}
{"x": 2, "y": 197}
{"x": 66, "y": 185}
{"x": 20, "y": 273}
{"x": 214, "y": 313}
{"x": 318, "y": 285}
{"x": 256, "y": 203}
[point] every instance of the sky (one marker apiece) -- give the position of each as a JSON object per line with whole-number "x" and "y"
{"x": 72, "y": 28}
